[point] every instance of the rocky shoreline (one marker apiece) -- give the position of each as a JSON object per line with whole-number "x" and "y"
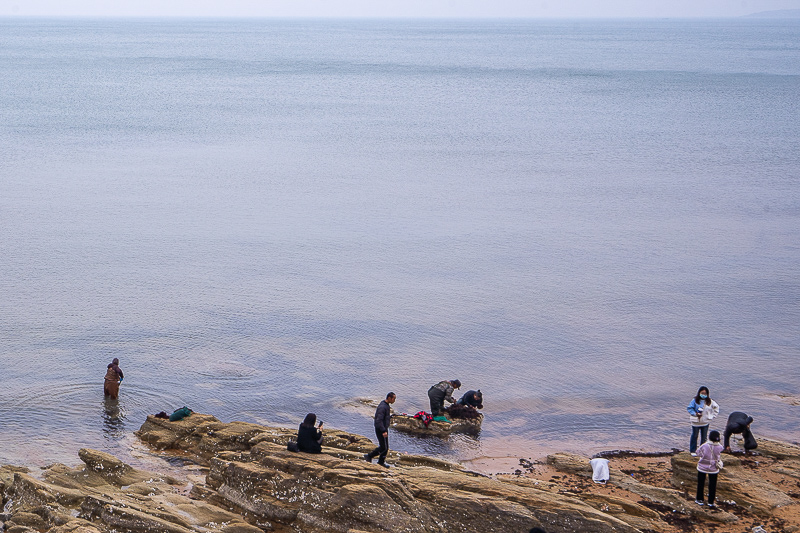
{"x": 239, "y": 478}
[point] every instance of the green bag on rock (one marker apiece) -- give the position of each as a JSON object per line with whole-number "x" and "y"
{"x": 180, "y": 414}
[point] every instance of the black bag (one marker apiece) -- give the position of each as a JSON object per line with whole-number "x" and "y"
{"x": 292, "y": 446}
{"x": 749, "y": 440}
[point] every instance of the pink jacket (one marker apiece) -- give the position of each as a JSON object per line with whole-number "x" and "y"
{"x": 708, "y": 454}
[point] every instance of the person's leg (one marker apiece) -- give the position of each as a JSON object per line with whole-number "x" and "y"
{"x": 377, "y": 450}
{"x": 712, "y": 488}
{"x": 701, "y": 485}
{"x": 434, "y": 404}
{"x": 384, "y": 446}
{"x": 693, "y": 441}
{"x": 703, "y": 434}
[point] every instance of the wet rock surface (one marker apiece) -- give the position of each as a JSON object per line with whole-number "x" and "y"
{"x": 245, "y": 481}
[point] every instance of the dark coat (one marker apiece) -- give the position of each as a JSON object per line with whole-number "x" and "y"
{"x": 472, "y": 398}
{"x": 383, "y": 415}
{"x": 308, "y": 439}
{"x": 737, "y": 423}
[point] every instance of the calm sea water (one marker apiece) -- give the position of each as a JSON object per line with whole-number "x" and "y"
{"x": 586, "y": 220}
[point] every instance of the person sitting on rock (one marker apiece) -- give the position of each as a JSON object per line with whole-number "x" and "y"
{"x": 114, "y": 377}
{"x": 472, "y": 398}
{"x": 309, "y": 438}
{"x": 439, "y": 393}
{"x": 739, "y": 423}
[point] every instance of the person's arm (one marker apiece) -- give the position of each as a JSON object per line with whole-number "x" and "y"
{"x": 448, "y": 394}
{"x": 714, "y": 409}
{"x": 692, "y": 408}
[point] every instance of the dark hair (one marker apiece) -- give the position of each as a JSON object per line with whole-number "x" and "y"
{"x": 115, "y": 361}
{"x": 713, "y": 436}
{"x": 537, "y": 530}
{"x": 698, "y": 399}
{"x": 390, "y": 395}
{"x": 310, "y": 420}
{"x": 456, "y": 384}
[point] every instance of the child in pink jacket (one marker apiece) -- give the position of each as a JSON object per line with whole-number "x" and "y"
{"x": 708, "y": 455}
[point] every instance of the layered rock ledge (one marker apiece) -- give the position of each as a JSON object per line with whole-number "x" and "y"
{"x": 248, "y": 482}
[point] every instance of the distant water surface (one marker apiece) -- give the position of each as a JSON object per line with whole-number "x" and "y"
{"x": 584, "y": 219}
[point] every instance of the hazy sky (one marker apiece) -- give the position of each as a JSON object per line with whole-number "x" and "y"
{"x": 394, "y": 8}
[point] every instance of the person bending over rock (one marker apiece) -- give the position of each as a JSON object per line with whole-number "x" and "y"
{"x": 473, "y": 398}
{"x": 739, "y": 423}
{"x": 114, "y": 377}
{"x": 383, "y": 415}
{"x": 440, "y": 392}
{"x": 309, "y": 438}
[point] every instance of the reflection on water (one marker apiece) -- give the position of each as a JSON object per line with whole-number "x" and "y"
{"x": 113, "y": 419}
{"x": 572, "y": 231}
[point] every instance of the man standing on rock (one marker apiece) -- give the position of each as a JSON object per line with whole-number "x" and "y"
{"x": 114, "y": 377}
{"x": 383, "y": 414}
{"x": 440, "y": 392}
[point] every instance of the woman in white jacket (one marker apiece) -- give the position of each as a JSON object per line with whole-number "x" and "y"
{"x": 702, "y": 411}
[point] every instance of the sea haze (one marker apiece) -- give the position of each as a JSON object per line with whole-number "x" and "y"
{"x": 586, "y": 220}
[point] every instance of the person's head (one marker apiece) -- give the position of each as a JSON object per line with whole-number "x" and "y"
{"x": 703, "y": 396}
{"x": 391, "y": 397}
{"x": 479, "y": 398}
{"x": 713, "y": 435}
{"x": 456, "y": 384}
{"x": 537, "y": 530}
{"x": 310, "y": 420}
{"x": 115, "y": 361}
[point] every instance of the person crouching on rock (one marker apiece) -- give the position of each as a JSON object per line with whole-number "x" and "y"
{"x": 383, "y": 416}
{"x": 309, "y": 438}
{"x": 472, "y": 398}
{"x": 440, "y": 392}
{"x": 114, "y": 377}
{"x": 708, "y": 464}
{"x": 739, "y": 423}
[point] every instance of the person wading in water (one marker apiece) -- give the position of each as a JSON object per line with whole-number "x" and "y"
{"x": 114, "y": 377}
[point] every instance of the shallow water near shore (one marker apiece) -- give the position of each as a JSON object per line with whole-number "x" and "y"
{"x": 584, "y": 219}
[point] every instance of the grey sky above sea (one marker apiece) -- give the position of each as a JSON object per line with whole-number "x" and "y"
{"x": 394, "y": 8}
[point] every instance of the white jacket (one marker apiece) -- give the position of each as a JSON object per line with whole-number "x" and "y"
{"x": 709, "y": 413}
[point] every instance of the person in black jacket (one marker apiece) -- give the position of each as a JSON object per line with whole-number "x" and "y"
{"x": 472, "y": 398}
{"x": 382, "y": 416}
{"x": 309, "y": 438}
{"x": 739, "y": 422}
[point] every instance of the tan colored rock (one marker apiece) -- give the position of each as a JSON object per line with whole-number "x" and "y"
{"x": 674, "y": 499}
{"x": 734, "y": 483}
{"x": 777, "y": 449}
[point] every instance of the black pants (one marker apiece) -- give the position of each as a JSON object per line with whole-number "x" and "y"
{"x": 437, "y": 401}
{"x": 712, "y": 486}
{"x": 383, "y": 447}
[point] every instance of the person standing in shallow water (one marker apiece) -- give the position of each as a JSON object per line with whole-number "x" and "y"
{"x": 114, "y": 377}
{"x": 702, "y": 410}
{"x": 383, "y": 415}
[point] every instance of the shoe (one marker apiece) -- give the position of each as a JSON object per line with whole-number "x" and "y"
{"x": 693, "y": 454}
{"x": 712, "y": 506}
{"x": 384, "y": 465}
{"x": 367, "y": 458}
{"x": 699, "y": 502}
